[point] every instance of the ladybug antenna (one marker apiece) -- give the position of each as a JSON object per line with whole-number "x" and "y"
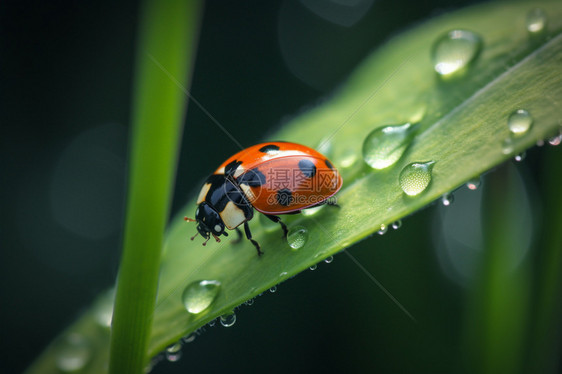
{"x": 216, "y": 238}
{"x": 193, "y": 237}
{"x": 188, "y": 219}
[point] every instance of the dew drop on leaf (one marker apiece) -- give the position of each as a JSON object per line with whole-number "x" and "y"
{"x": 396, "y": 224}
{"x": 297, "y": 237}
{"x": 473, "y": 184}
{"x": 228, "y": 320}
{"x": 519, "y": 122}
{"x": 447, "y": 199}
{"x": 415, "y": 177}
{"x": 383, "y": 229}
{"x": 454, "y": 51}
{"x": 329, "y": 260}
{"x": 536, "y": 21}
{"x": 199, "y": 295}
{"x": 385, "y": 145}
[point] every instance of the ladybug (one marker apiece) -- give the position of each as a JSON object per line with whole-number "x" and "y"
{"x": 273, "y": 178}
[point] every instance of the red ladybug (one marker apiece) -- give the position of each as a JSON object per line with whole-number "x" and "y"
{"x": 273, "y": 178}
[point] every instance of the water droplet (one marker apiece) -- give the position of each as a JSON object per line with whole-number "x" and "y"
{"x": 249, "y": 302}
{"x": 174, "y": 348}
{"x": 473, "y": 184}
{"x": 385, "y": 145}
{"x": 228, "y": 320}
{"x": 297, "y": 237}
{"x": 199, "y": 295}
{"x": 173, "y": 357}
{"x": 415, "y": 177}
{"x": 313, "y": 267}
{"x": 507, "y": 146}
{"x": 329, "y": 260}
{"x": 273, "y": 289}
{"x": 520, "y": 157}
{"x": 212, "y": 323}
{"x": 189, "y": 338}
{"x": 75, "y": 353}
{"x": 283, "y": 274}
{"x": 519, "y": 122}
{"x": 396, "y": 224}
{"x": 383, "y": 229}
{"x": 540, "y": 142}
{"x": 536, "y": 21}
{"x": 555, "y": 140}
{"x": 454, "y": 51}
{"x": 447, "y": 199}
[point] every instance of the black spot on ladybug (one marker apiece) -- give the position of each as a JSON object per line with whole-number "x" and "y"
{"x": 270, "y": 149}
{"x": 329, "y": 164}
{"x": 307, "y": 168}
{"x": 252, "y": 177}
{"x": 230, "y": 169}
{"x": 284, "y": 197}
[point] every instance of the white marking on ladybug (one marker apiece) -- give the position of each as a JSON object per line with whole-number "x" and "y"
{"x": 239, "y": 171}
{"x": 218, "y": 228}
{"x": 250, "y": 196}
{"x": 232, "y": 216}
{"x": 203, "y": 193}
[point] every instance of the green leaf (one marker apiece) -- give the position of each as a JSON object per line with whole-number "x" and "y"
{"x": 462, "y": 127}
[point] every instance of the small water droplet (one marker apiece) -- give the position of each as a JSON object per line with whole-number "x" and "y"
{"x": 555, "y": 140}
{"x": 519, "y": 122}
{"x": 104, "y": 309}
{"x": 385, "y": 145}
{"x": 454, "y": 51}
{"x": 520, "y": 157}
{"x": 415, "y": 177}
{"x": 173, "y": 357}
{"x": 396, "y": 224}
{"x": 383, "y": 229}
{"x": 189, "y": 338}
{"x": 313, "y": 267}
{"x": 273, "y": 289}
{"x": 174, "y": 348}
{"x": 536, "y": 20}
{"x": 329, "y": 260}
{"x": 228, "y": 320}
{"x": 76, "y": 352}
{"x": 212, "y": 323}
{"x": 447, "y": 199}
{"x": 297, "y": 237}
{"x": 473, "y": 184}
{"x": 199, "y": 295}
{"x": 249, "y": 302}
{"x": 507, "y": 146}
{"x": 283, "y": 274}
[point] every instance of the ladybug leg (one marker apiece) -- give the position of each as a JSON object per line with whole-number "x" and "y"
{"x": 277, "y": 219}
{"x": 249, "y": 236}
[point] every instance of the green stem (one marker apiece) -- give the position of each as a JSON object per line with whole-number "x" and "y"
{"x": 165, "y": 54}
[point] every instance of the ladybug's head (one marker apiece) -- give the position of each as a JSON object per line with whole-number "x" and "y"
{"x": 209, "y": 223}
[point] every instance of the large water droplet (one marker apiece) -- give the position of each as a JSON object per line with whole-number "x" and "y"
{"x": 385, "y": 145}
{"x": 536, "y": 21}
{"x": 519, "y": 122}
{"x": 76, "y": 352}
{"x": 454, "y": 51}
{"x": 228, "y": 320}
{"x": 297, "y": 237}
{"x": 415, "y": 177}
{"x": 199, "y": 295}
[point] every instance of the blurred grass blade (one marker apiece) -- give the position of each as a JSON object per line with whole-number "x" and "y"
{"x": 499, "y": 307}
{"x": 158, "y": 112}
